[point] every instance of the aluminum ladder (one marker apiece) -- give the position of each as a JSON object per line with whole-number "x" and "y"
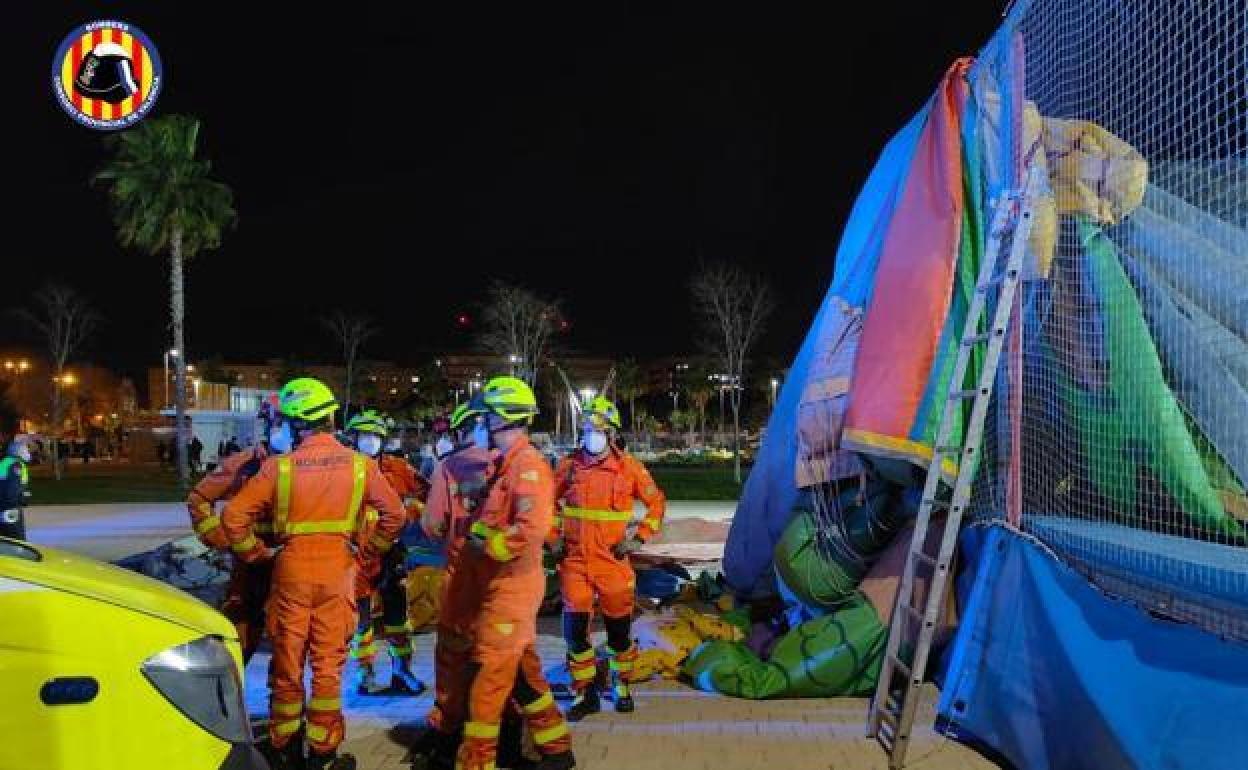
{"x": 912, "y": 629}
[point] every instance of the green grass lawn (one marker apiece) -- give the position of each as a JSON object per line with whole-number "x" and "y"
{"x": 105, "y": 483}
{"x": 697, "y": 482}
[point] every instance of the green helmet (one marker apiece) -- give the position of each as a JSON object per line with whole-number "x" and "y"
{"x": 369, "y": 421}
{"x": 508, "y": 397}
{"x": 307, "y": 399}
{"x": 462, "y": 413}
{"x": 602, "y": 408}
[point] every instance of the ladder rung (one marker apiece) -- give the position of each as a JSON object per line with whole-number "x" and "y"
{"x": 886, "y": 734}
{"x": 949, "y": 449}
{"x": 936, "y": 503}
{"x": 922, "y": 557}
{"x": 887, "y": 717}
{"x": 975, "y": 339}
{"x": 897, "y": 664}
{"x": 913, "y": 612}
{"x": 997, "y": 280}
{"x": 963, "y": 395}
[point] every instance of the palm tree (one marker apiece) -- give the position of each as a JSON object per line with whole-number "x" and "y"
{"x": 630, "y": 385}
{"x": 164, "y": 199}
{"x": 700, "y": 389}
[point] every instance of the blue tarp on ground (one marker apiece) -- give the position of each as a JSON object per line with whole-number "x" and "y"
{"x": 1052, "y": 673}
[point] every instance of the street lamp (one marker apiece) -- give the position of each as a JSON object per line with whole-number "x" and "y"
{"x": 514, "y": 359}
{"x": 171, "y": 352}
{"x": 774, "y": 384}
{"x": 17, "y": 369}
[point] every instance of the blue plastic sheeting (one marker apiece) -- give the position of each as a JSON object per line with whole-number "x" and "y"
{"x": 1051, "y": 673}
{"x": 1182, "y": 568}
{"x": 771, "y": 489}
{"x": 1187, "y": 269}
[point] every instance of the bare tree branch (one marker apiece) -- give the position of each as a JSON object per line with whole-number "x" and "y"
{"x": 352, "y": 332}
{"x": 733, "y": 307}
{"x": 519, "y": 323}
{"x": 65, "y": 320}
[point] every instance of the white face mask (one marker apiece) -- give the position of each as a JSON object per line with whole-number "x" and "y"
{"x": 281, "y": 439}
{"x": 369, "y": 444}
{"x": 481, "y": 435}
{"x": 594, "y": 441}
{"x": 394, "y": 445}
{"x": 443, "y": 447}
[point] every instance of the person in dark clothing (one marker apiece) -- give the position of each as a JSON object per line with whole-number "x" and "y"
{"x": 14, "y": 489}
{"x": 196, "y": 453}
{"x": 231, "y": 446}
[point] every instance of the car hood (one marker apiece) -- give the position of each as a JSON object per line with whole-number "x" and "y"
{"x": 65, "y": 571}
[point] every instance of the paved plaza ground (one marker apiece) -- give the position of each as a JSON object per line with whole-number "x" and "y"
{"x": 675, "y": 727}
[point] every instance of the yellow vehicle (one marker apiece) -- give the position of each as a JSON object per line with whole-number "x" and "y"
{"x": 103, "y": 669}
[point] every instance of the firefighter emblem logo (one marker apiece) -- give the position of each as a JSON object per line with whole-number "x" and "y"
{"x": 107, "y": 75}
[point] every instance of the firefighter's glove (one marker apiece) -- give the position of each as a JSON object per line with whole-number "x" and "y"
{"x": 623, "y": 548}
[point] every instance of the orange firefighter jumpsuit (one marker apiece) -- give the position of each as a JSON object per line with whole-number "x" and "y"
{"x": 494, "y": 593}
{"x": 313, "y": 499}
{"x": 458, "y": 489}
{"x": 596, "y": 505}
{"x": 382, "y": 577}
{"x": 248, "y": 588}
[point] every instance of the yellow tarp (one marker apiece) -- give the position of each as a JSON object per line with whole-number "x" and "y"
{"x": 424, "y": 597}
{"x": 666, "y": 639}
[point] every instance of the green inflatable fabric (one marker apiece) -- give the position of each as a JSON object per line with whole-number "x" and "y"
{"x": 1142, "y": 410}
{"x": 838, "y": 654}
{"x": 827, "y": 577}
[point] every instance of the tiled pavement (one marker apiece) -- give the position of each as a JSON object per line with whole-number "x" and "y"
{"x": 674, "y": 728}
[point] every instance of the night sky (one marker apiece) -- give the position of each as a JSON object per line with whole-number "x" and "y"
{"x": 395, "y": 161}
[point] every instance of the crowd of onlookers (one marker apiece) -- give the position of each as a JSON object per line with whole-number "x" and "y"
{"x": 81, "y": 450}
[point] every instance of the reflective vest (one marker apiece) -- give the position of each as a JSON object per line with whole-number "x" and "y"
{"x": 346, "y": 525}
{"x": 8, "y": 462}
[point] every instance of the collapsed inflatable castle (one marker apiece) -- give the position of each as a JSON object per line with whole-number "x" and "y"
{"x": 1100, "y": 617}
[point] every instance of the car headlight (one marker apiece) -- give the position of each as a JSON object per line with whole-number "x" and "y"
{"x": 201, "y": 680}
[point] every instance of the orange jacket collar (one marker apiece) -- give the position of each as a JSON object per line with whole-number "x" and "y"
{"x": 318, "y": 440}
{"x": 515, "y": 450}
{"x": 609, "y": 461}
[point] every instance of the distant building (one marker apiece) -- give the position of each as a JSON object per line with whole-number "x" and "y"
{"x": 218, "y": 413}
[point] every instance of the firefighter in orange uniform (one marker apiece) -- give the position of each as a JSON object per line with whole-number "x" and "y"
{"x": 248, "y": 589}
{"x": 596, "y": 487}
{"x": 458, "y": 488}
{"x": 499, "y": 584}
{"x": 382, "y": 577}
{"x": 313, "y": 499}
